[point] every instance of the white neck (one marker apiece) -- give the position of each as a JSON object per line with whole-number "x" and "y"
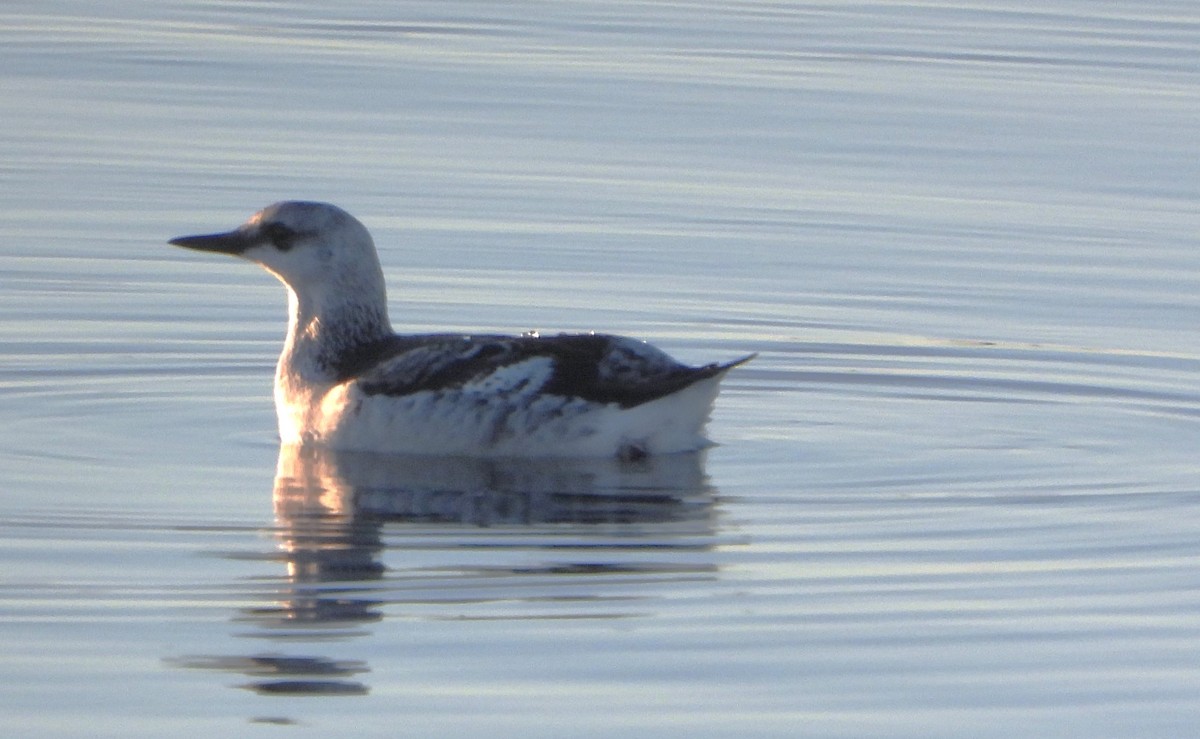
{"x": 322, "y": 331}
{"x": 324, "y": 327}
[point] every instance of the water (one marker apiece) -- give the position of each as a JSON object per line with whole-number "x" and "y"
{"x": 955, "y": 494}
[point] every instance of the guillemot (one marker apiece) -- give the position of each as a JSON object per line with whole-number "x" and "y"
{"x": 346, "y": 381}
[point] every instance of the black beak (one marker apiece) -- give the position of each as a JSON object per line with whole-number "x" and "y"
{"x": 231, "y": 242}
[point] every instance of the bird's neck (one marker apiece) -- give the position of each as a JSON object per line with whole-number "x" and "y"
{"x": 323, "y": 331}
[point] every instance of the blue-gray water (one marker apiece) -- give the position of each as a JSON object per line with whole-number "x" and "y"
{"x": 955, "y": 494}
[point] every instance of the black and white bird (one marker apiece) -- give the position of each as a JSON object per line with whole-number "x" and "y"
{"x": 345, "y": 380}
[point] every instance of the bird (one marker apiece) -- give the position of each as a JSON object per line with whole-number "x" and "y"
{"x": 346, "y": 381}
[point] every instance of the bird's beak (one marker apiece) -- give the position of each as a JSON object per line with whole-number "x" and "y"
{"x": 231, "y": 242}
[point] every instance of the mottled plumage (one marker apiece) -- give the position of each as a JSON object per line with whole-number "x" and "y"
{"x": 345, "y": 380}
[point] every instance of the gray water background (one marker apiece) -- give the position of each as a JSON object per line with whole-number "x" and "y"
{"x": 956, "y": 493}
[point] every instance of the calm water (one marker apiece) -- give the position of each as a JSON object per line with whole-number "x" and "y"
{"x": 956, "y": 494}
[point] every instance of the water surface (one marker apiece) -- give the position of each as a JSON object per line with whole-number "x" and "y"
{"x": 955, "y": 494}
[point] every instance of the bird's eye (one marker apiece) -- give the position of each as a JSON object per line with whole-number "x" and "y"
{"x": 280, "y": 236}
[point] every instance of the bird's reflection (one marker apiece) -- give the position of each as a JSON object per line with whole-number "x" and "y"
{"x": 338, "y": 514}
{"x": 322, "y": 485}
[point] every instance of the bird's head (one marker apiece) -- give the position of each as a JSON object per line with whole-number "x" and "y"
{"x": 310, "y": 246}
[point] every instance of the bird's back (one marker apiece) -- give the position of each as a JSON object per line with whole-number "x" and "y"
{"x": 564, "y": 395}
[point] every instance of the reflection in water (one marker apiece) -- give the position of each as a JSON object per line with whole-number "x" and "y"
{"x": 280, "y": 675}
{"x": 330, "y": 486}
{"x": 337, "y": 513}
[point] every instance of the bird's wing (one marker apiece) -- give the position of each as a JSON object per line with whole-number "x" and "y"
{"x": 437, "y": 363}
{"x": 594, "y": 367}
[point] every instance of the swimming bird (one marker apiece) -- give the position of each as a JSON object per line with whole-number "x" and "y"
{"x": 345, "y": 380}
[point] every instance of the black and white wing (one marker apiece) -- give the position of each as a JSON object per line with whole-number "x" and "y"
{"x": 594, "y": 367}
